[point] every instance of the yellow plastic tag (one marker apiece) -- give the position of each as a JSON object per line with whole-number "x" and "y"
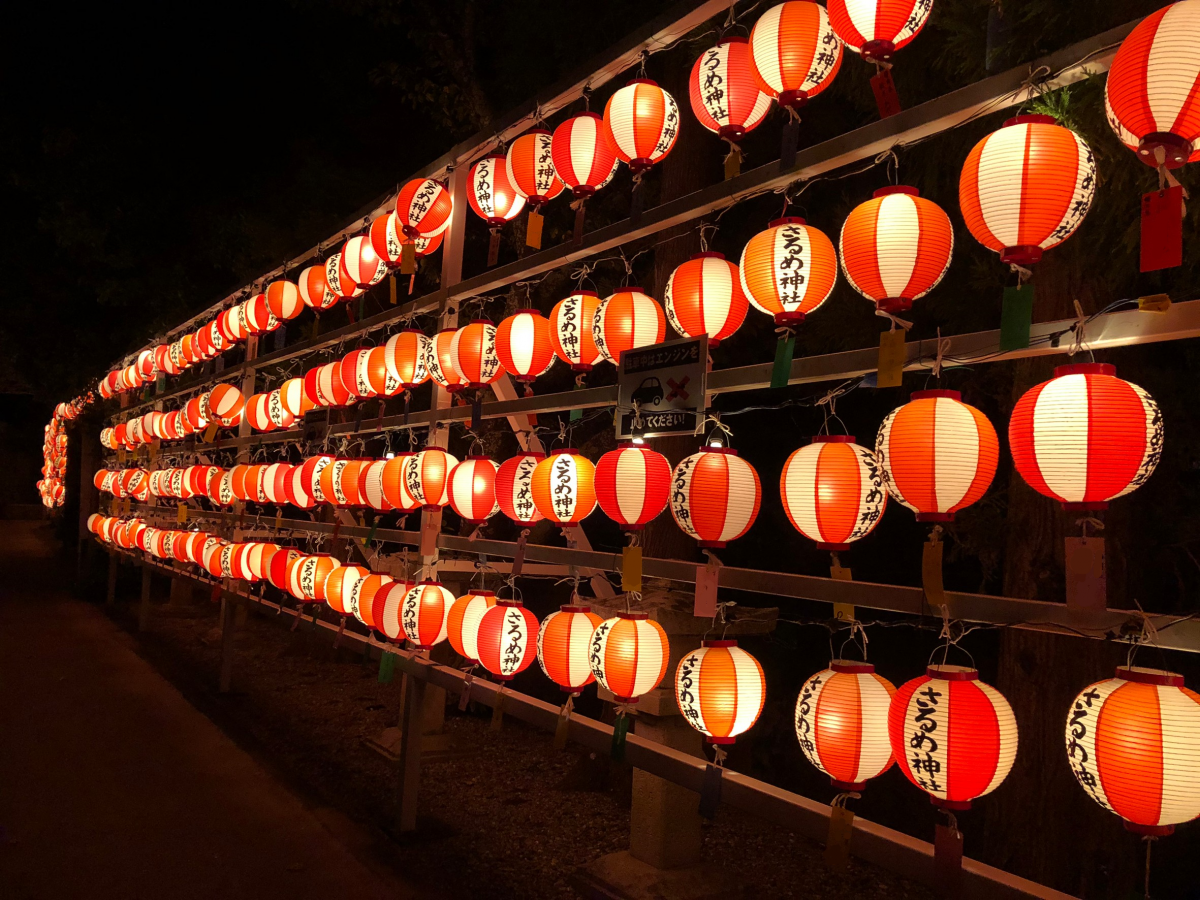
{"x": 837, "y": 844}
{"x": 408, "y": 259}
{"x": 210, "y": 432}
{"x": 278, "y": 520}
{"x": 392, "y": 290}
{"x": 631, "y": 569}
{"x": 181, "y": 517}
{"x": 120, "y": 454}
{"x": 891, "y": 359}
{"x": 840, "y": 573}
{"x": 1158, "y": 303}
{"x": 931, "y": 573}
{"x": 733, "y": 165}
{"x": 533, "y": 230}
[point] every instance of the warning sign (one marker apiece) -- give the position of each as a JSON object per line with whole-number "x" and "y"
{"x": 661, "y": 388}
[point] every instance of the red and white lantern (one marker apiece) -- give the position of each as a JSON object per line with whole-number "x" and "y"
{"x": 720, "y": 689}
{"x": 423, "y": 614}
{"x": 725, "y": 96}
{"x": 514, "y": 488}
{"x": 563, "y": 645}
{"x": 440, "y": 362}
{"x": 462, "y": 622}
{"x": 524, "y": 346}
{"x": 284, "y": 300}
{"x": 842, "y": 723}
{"x": 571, "y": 334}
{"x": 405, "y": 356}
{"x": 339, "y": 279}
{"x": 507, "y": 639}
{"x": 715, "y": 496}
{"x": 361, "y": 264}
{"x": 704, "y": 296}
{"x": 339, "y": 586}
{"x": 632, "y": 485}
{"x": 473, "y": 354}
{"x": 491, "y": 193}
{"x": 876, "y": 29}
{"x": 314, "y": 288}
{"x": 789, "y": 270}
{"x": 225, "y": 404}
{"x": 530, "y": 167}
{"x": 395, "y": 483}
{"x": 583, "y": 160}
{"x": 628, "y": 655}
{"x": 472, "y": 489}
{"x": 625, "y": 321}
{"x": 563, "y": 487}
{"x": 257, "y": 415}
{"x": 423, "y": 208}
{"x": 794, "y": 51}
{"x": 427, "y": 477}
{"x": 833, "y": 491}
{"x": 641, "y": 122}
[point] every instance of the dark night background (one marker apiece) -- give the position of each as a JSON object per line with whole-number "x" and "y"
{"x": 155, "y": 160}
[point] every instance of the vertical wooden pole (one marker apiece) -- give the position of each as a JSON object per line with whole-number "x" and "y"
{"x": 144, "y": 608}
{"x": 408, "y": 781}
{"x": 228, "y": 630}
{"x": 110, "y": 596}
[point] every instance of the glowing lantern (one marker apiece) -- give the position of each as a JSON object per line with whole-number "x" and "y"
{"x": 472, "y": 489}
{"x": 259, "y": 318}
{"x": 347, "y": 482}
{"x": 296, "y": 489}
{"x": 491, "y": 193}
{"x": 563, "y": 487}
{"x": 294, "y": 400}
{"x": 896, "y": 247}
{"x": 625, "y": 321}
{"x": 440, "y": 363}
{"x": 427, "y": 477}
{"x": 842, "y": 723}
{"x": 283, "y": 298}
{"x": 952, "y": 735}
{"x": 462, "y": 622}
{"x": 277, "y": 567}
{"x": 530, "y": 168}
{"x": 314, "y": 288}
{"x": 514, "y": 488}
{"x": 371, "y": 485}
{"x": 361, "y": 264}
{"x": 225, "y": 404}
{"x": 195, "y": 414}
{"x": 628, "y": 655}
{"x": 339, "y": 279}
{"x": 473, "y": 354}
{"x": 725, "y": 96}
{"x": 387, "y": 240}
{"x": 340, "y": 584}
{"x": 794, "y": 52}
{"x": 1085, "y": 437}
{"x": 878, "y": 28}
{"x": 354, "y": 371}
{"x": 563, "y": 644}
{"x": 1026, "y": 188}
{"x": 938, "y": 454}
{"x": 387, "y": 608}
{"x": 423, "y": 208}
{"x": 310, "y": 476}
{"x": 641, "y": 122}
{"x": 1131, "y": 744}
{"x": 256, "y": 413}
{"x": 275, "y": 479}
{"x": 395, "y": 483}
{"x": 632, "y": 485}
{"x": 788, "y": 270}
{"x": 276, "y": 411}
{"x": 704, "y": 296}
{"x": 215, "y": 337}
{"x": 507, "y": 639}
{"x": 571, "y": 335}
{"x": 720, "y": 689}
{"x": 523, "y": 345}
{"x": 715, "y": 496}
{"x": 309, "y": 574}
{"x": 833, "y": 491}
{"x": 331, "y": 390}
{"x": 405, "y": 356}
{"x": 362, "y": 597}
{"x": 423, "y": 613}
{"x": 583, "y": 159}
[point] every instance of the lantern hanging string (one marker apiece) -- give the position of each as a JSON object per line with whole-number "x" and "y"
{"x": 894, "y": 319}
{"x": 1095, "y": 523}
{"x": 1079, "y": 328}
{"x": 943, "y": 346}
{"x": 828, "y": 405}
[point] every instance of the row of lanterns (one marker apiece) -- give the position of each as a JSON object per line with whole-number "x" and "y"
{"x": 1129, "y": 740}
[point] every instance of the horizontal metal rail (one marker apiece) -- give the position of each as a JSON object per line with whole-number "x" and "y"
{"x": 876, "y": 844}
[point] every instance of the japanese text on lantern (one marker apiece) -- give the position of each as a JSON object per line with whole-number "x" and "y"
{"x": 924, "y": 724}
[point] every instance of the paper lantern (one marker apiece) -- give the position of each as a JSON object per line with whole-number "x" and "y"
{"x": 641, "y": 122}
{"x": 563, "y": 487}
{"x": 571, "y": 335}
{"x": 309, "y": 576}
{"x": 524, "y": 346}
{"x": 225, "y": 404}
{"x": 406, "y": 355}
{"x": 789, "y": 270}
{"x": 354, "y": 371}
{"x": 297, "y": 489}
{"x": 842, "y": 723}
{"x": 284, "y": 300}
{"x": 195, "y": 413}
{"x": 878, "y": 28}
{"x": 530, "y": 167}
{"x": 339, "y": 584}
{"x": 340, "y": 281}
{"x": 371, "y": 485}
{"x": 310, "y": 476}
{"x": 625, "y": 321}
{"x": 952, "y": 735}
{"x": 896, "y": 247}
{"x": 514, "y": 488}
{"x": 1151, "y": 97}
{"x": 507, "y": 639}
{"x": 1027, "y": 187}
{"x": 277, "y": 412}
{"x": 361, "y": 263}
{"x": 563, "y": 645}
{"x": 833, "y": 491}
{"x": 704, "y": 296}
{"x": 628, "y": 655}
{"x": 491, "y": 193}
{"x": 397, "y": 488}
{"x": 794, "y": 52}
{"x": 427, "y": 477}
{"x": 215, "y": 337}
{"x": 274, "y": 482}
{"x": 725, "y": 96}
{"x": 473, "y": 354}
{"x": 423, "y": 614}
{"x": 715, "y": 496}
{"x": 423, "y": 208}
{"x": 1132, "y": 745}
{"x": 387, "y": 239}
{"x": 632, "y": 485}
{"x": 314, "y": 288}
{"x": 440, "y": 363}
{"x": 256, "y": 413}
{"x": 472, "y": 489}
{"x": 361, "y": 602}
{"x": 938, "y": 454}
{"x": 259, "y": 318}
{"x": 462, "y": 622}
{"x": 1085, "y": 437}
{"x": 331, "y": 390}
{"x": 346, "y": 481}
{"x": 720, "y": 689}
{"x": 583, "y": 158}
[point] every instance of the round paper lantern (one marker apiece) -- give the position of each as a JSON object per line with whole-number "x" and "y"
{"x": 628, "y": 655}
{"x": 215, "y": 337}
{"x": 387, "y": 609}
{"x": 331, "y": 390}
{"x": 625, "y": 321}
{"x": 1131, "y": 744}
{"x": 309, "y": 576}
{"x": 283, "y": 298}
{"x": 473, "y": 354}
{"x": 371, "y": 485}
{"x": 363, "y": 592}
{"x": 339, "y": 584}
{"x": 277, "y": 412}
{"x": 563, "y": 487}
{"x": 896, "y": 247}
{"x": 361, "y": 263}
{"x": 641, "y": 122}
{"x": 423, "y": 613}
{"x": 462, "y": 622}
{"x": 472, "y": 489}
{"x": 340, "y": 281}
{"x": 314, "y": 288}
{"x": 1085, "y": 437}
{"x": 277, "y": 567}
{"x": 715, "y": 496}
{"x": 788, "y": 270}
{"x": 878, "y": 28}
{"x": 225, "y": 404}
{"x": 256, "y": 413}
{"x": 440, "y": 363}
{"x": 563, "y": 644}
{"x": 354, "y": 371}
{"x": 194, "y": 413}
{"x": 833, "y": 491}
{"x": 571, "y": 334}
{"x": 395, "y": 483}
{"x": 514, "y": 488}
{"x": 842, "y": 723}
{"x": 259, "y": 318}
{"x": 952, "y": 735}
{"x": 310, "y": 476}
{"x": 720, "y": 689}
{"x": 387, "y": 239}
{"x": 524, "y": 346}
{"x": 405, "y": 356}
{"x": 1027, "y": 187}
{"x": 583, "y": 159}
{"x": 427, "y": 477}
{"x": 632, "y": 485}
{"x": 1151, "y": 96}
{"x": 275, "y": 480}
{"x": 704, "y": 296}
{"x": 794, "y": 52}
{"x": 423, "y": 208}
{"x": 507, "y": 639}
{"x": 938, "y": 454}
{"x": 491, "y": 193}
{"x": 725, "y": 96}
{"x": 530, "y": 167}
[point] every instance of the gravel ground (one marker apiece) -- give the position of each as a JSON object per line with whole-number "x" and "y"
{"x": 513, "y": 818}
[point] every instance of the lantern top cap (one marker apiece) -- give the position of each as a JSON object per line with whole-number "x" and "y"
{"x": 635, "y": 616}
{"x": 952, "y": 673}
{"x": 925, "y": 395}
{"x": 833, "y": 439}
{"x": 1085, "y": 369}
{"x": 484, "y": 321}
{"x": 708, "y": 254}
{"x": 428, "y": 582}
{"x": 642, "y": 81}
{"x": 570, "y": 451}
{"x": 732, "y": 39}
{"x": 583, "y": 292}
{"x": 851, "y": 666}
{"x": 897, "y": 189}
{"x": 1142, "y": 675}
{"x": 628, "y": 289}
{"x": 1031, "y": 119}
{"x": 481, "y": 593}
{"x": 568, "y": 608}
{"x": 510, "y": 603}
{"x": 787, "y": 220}
{"x": 721, "y": 643}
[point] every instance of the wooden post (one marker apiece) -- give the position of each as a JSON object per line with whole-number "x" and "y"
{"x": 408, "y": 776}
{"x": 228, "y": 629}
{"x": 144, "y": 608}
{"x": 111, "y": 596}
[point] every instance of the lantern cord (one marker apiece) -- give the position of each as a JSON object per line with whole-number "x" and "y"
{"x": 1089, "y": 520}
{"x": 565, "y": 711}
{"x": 1079, "y": 328}
{"x": 943, "y": 346}
{"x": 719, "y": 756}
{"x": 1023, "y": 274}
{"x": 828, "y": 405}
{"x": 707, "y": 230}
{"x": 1149, "y": 840}
{"x": 1165, "y": 176}
{"x": 894, "y": 319}
{"x": 856, "y": 629}
{"x": 735, "y": 149}
{"x": 840, "y": 799}
{"x": 718, "y": 426}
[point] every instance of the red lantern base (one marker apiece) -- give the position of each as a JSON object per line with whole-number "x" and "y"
{"x": 720, "y": 741}
{"x": 878, "y": 50}
{"x": 894, "y": 304}
{"x": 848, "y": 785}
{"x": 793, "y": 99}
{"x": 1023, "y": 255}
{"x": 712, "y": 545}
{"x": 789, "y": 318}
{"x": 640, "y": 164}
{"x": 1149, "y": 830}
{"x": 835, "y": 548}
{"x": 935, "y": 517}
{"x": 583, "y": 191}
{"x": 956, "y": 805}
{"x": 732, "y": 132}
{"x": 1175, "y": 149}
{"x": 1085, "y": 507}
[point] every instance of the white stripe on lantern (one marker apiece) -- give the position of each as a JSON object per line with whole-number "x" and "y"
{"x": 804, "y": 717}
{"x": 862, "y": 16}
{"x": 522, "y": 337}
{"x": 630, "y": 479}
{"x": 470, "y": 626}
{"x": 1001, "y": 166}
{"x": 912, "y": 24}
{"x": 1081, "y": 196}
{"x": 800, "y": 470}
{"x": 1178, "y": 712}
{"x": 739, "y": 505}
{"x": 897, "y": 237}
{"x": 1082, "y": 724}
{"x": 717, "y": 102}
{"x": 565, "y": 473}
{"x": 645, "y": 321}
{"x": 621, "y": 113}
{"x": 389, "y": 621}
{"x": 716, "y": 294}
{"x": 1006, "y": 724}
{"x": 1172, "y": 66}
{"x": 749, "y": 698}
{"x": 585, "y": 132}
{"x": 956, "y": 452}
{"x": 681, "y": 492}
{"x": 649, "y": 657}
{"x": 934, "y": 720}
{"x": 579, "y": 639}
{"x": 764, "y": 47}
{"x": 1060, "y": 436}
{"x": 514, "y": 636}
{"x": 873, "y": 702}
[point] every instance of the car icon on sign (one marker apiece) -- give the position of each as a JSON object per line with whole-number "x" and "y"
{"x": 649, "y": 393}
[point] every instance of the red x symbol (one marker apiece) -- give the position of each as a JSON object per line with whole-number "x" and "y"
{"x": 677, "y": 389}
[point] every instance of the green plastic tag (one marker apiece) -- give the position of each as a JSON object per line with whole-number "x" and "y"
{"x": 782, "y": 370}
{"x": 387, "y": 665}
{"x": 1016, "y": 316}
{"x": 620, "y": 729}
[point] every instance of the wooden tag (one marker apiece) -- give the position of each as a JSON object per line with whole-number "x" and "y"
{"x": 1016, "y": 316}
{"x": 947, "y": 861}
{"x": 121, "y": 455}
{"x": 837, "y": 843}
{"x": 408, "y": 259}
{"x": 430, "y": 527}
{"x": 706, "y": 591}
{"x": 1087, "y": 576}
{"x": 181, "y": 516}
{"x": 931, "y": 573}
{"x": 886, "y": 97}
{"x": 1162, "y": 229}
{"x": 498, "y": 711}
{"x": 533, "y": 230}
{"x": 464, "y": 698}
{"x": 892, "y": 356}
{"x": 494, "y": 248}
{"x": 631, "y": 569}
{"x": 519, "y": 557}
{"x": 210, "y": 432}
{"x": 561, "y": 730}
{"x": 278, "y": 519}
{"x": 392, "y": 290}
{"x": 710, "y": 792}
{"x": 1159, "y": 303}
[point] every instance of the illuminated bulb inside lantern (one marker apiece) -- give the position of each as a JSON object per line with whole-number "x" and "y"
{"x": 391, "y": 455}
{"x": 638, "y": 440}
{"x": 715, "y": 443}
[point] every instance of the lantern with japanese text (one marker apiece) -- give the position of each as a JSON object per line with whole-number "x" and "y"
{"x": 876, "y": 29}
{"x": 314, "y": 288}
{"x": 395, "y": 484}
{"x": 841, "y": 723}
{"x": 507, "y": 639}
{"x": 277, "y": 568}
{"x": 833, "y": 491}
{"x": 385, "y": 609}
{"x": 530, "y": 167}
{"x": 794, "y": 52}
{"x": 632, "y": 485}
{"x": 371, "y": 485}
{"x": 259, "y": 318}
{"x": 472, "y": 489}
{"x": 308, "y": 574}
{"x": 280, "y": 415}
{"x": 423, "y": 613}
{"x": 354, "y": 371}
{"x": 563, "y": 644}
{"x": 1085, "y": 437}
{"x": 473, "y": 354}
{"x": 641, "y": 122}
{"x": 583, "y": 159}
{"x": 405, "y": 356}
{"x": 423, "y": 208}
{"x": 310, "y": 475}
{"x": 462, "y": 622}
{"x": 628, "y": 655}
{"x": 360, "y": 264}
{"x": 524, "y": 346}
{"x": 720, "y": 689}
{"x": 491, "y": 193}
{"x": 514, "y": 488}
{"x": 625, "y": 321}
{"x": 387, "y": 239}
{"x": 440, "y": 363}
{"x": 715, "y": 496}
{"x": 563, "y": 487}
{"x": 427, "y": 477}
{"x": 788, "y": 270}
{"x": 704, "y": 296}
{"x": 362, "y": 598}
{"x": 339, "y": 584}
{"x": 571, "y": 335}
{"x": 339, "y": 279}
{"x": 331, "y": 390}
{"x": 725, "y": 96}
